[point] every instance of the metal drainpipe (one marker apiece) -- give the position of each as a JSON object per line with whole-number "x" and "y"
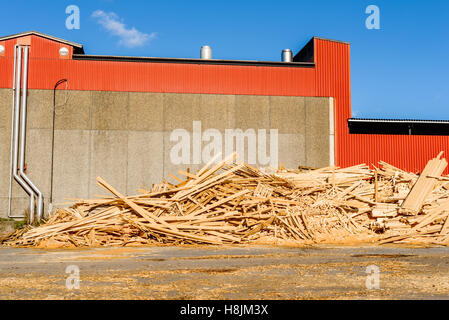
{"x": 12, "y": 135}
{"x": 50, "y": 206}
{"x": 40, "y": 198}
{"x": 16, "y": 176}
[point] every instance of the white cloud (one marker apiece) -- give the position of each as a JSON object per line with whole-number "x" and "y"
{"x": 129, "y": 37}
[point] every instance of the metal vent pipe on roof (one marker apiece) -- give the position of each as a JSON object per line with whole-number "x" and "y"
{"x": 206, "y": 53}
{"x": 287, "y": 55}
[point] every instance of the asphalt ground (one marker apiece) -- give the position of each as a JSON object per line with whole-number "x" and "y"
{"x": 226, "y": 272}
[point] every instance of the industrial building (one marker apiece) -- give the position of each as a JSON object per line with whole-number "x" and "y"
{"x": 111, "y": 116}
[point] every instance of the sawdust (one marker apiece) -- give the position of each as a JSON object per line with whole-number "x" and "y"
{"x": 342, "y": 280}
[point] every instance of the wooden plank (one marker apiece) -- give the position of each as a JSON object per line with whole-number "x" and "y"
{"x": 144, "y": 213}
{"x": 423, "y": 186}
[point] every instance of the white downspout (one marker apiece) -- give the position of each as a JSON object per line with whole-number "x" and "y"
{"x": 15, "y": 124}
{"x": 12, "y": 135}
{"x": 40, "y": 198}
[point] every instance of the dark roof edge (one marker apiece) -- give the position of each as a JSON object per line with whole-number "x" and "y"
{"x": 307, "y": 52}
{"x": 396, "y": 120}
{"x": 193, "y": 61}
{"x": 332, "y": 40}
{"x": 43, "y": 35}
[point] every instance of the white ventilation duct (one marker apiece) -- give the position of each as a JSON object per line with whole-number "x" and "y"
{"x": 206, "y": 53}
{"x": 18, "y": 138}
{"x": 287, "y": 55}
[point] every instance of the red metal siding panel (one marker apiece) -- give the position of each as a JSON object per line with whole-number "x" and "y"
{"x": 46, "y": 68}
{"x": 166, "y": 77}
{"x": 406, "y": 152}
{"x": 7, "y": 64}
{"x": 44, "y": 53}
{"x": 45, "y": 48}
{"x": 333, "y": 80}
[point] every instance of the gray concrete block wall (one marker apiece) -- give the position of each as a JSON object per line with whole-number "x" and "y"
{"x": 124, "y": 137}
{"x": 218, "y": 111}
{"x": 145, "y": 157}
{"x": 146, "y": 111}
{"x": 252, "y": 112}
{"x": 71, "y": 164}
{"x": 20, "y": 200}
{"x": 73, "y": 110}
{"x": 317, "y": 123}
{"x": 109, "y": 110}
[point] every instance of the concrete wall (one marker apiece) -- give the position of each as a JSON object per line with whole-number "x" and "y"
{"x": 124, "y": 137}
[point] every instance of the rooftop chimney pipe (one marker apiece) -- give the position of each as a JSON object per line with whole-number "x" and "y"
{"x": 287, "y": 55}
{"x": 206, "y": 53}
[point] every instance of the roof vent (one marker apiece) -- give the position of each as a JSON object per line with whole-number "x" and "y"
{"x": 63, "y": 52}
{"x": 287, "y": 55}
{"x": 206, "y": 52}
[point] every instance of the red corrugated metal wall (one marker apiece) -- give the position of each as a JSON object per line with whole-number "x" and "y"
{"x": 46, "y": 69}
{"x": 329, "y": 78}
{"x": 407, "y": 152}
{"x": 333, "y": 80}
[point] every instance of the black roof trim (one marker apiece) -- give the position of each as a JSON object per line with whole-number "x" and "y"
{"x": 307, "y": 53}
{"x": 398, "y": 126}
{"x": 303, "y": 59}
{"x": 194, "y": 61}
{"x": 396, "y": 120}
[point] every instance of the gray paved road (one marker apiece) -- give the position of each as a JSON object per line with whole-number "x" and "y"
{"x": 238, "y": 272}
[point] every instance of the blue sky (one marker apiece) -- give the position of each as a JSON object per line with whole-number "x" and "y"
{"x": 399, "y": 71}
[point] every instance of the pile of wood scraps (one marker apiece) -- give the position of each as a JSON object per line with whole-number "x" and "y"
{"x": 232, "y": 203}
